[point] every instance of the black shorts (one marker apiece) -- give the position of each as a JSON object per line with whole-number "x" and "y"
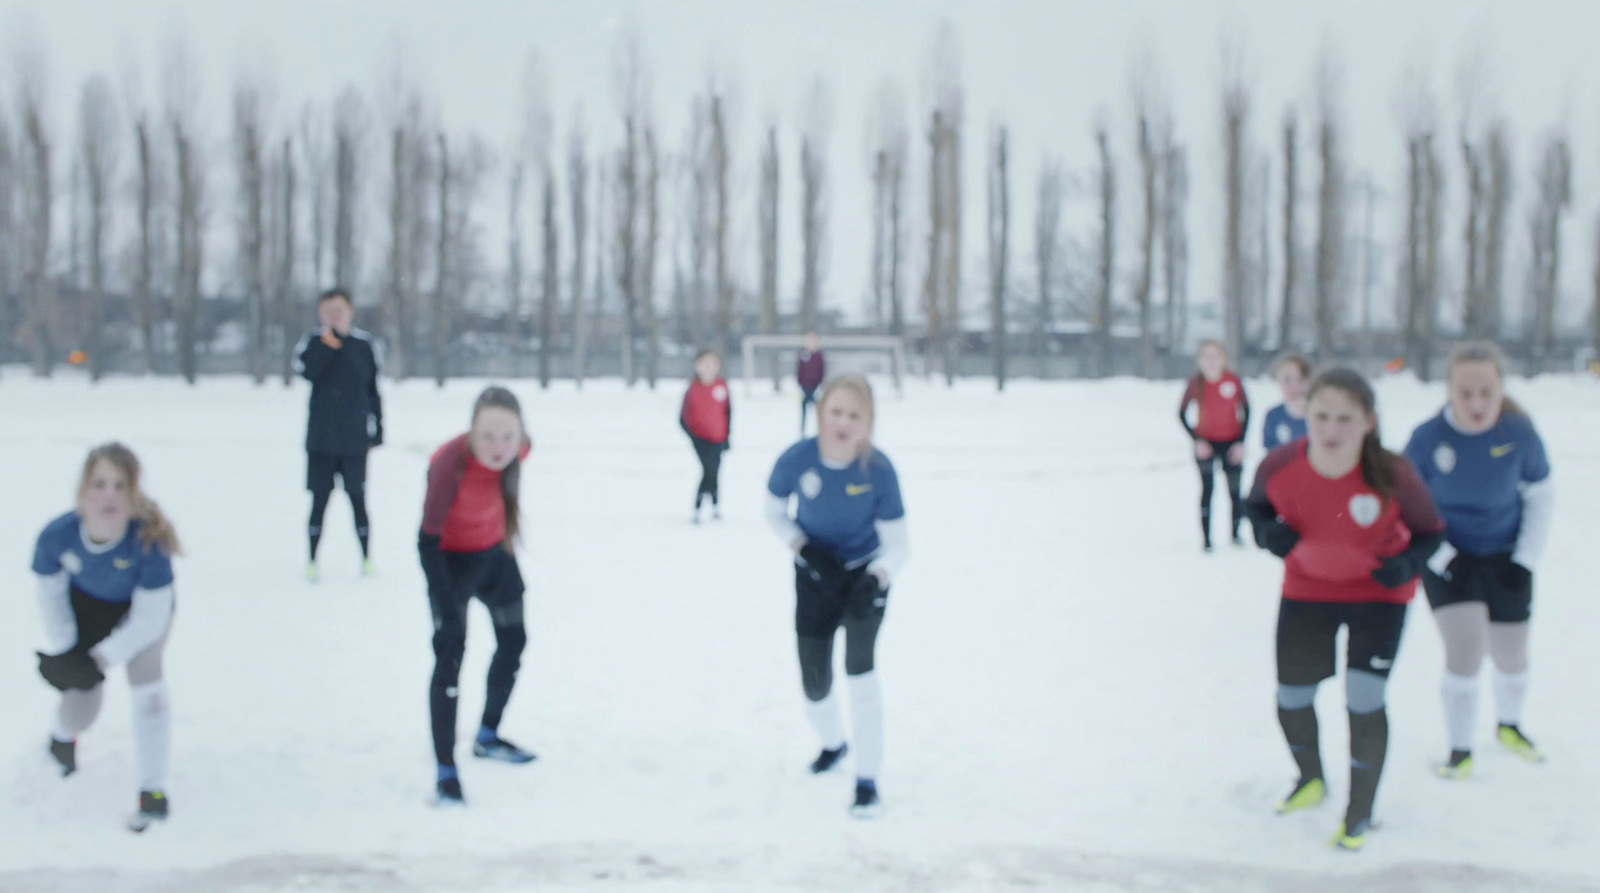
{"x": 1219, "y": 454}
{"x": 321, "y": 467}
{"x": 1308, "y": 634}
{"x": 95, "y": 618}
{"x": 820, "y": 606}
{"x": 1489, "y": 579}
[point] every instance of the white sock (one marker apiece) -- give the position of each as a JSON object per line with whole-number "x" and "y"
{"x": 866, "y": 719}
{"x": 152, "y": 727}
{"x": 1510, "y": 690}
{"x": 825, "y": 718}
{"x": 1460, "y": 696}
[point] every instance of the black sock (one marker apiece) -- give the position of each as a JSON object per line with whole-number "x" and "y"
{"x": 1205, "y": 524}
{"x": 316, "y": 537}
{"x": 361, "y": 534}
{"x": 1300, "y": 731}
{"x": 1369, "y": 743}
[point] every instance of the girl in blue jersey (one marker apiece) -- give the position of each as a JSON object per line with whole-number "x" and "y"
{"x": 104, "y": 574}
{"x": 1286, "y": 422}
{"x": 848, "y": 535}
{"x": 1487, "y": 469}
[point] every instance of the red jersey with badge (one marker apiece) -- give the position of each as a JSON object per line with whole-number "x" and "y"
{"x": 1223, "y": 407}
{"x": 1346, "y": 529}
{"x": 706, "y": 410}
{"x": 464, "y": 506}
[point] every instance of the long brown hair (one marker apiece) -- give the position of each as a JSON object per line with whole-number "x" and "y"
{"x": 1377, "y": 463}
{"x": 1199, "y": 377}
{"x": 497, "y": 397}
{"x": 155, "y": 528}
{"x": 1296, "y": 360}
{"x": 862, "y": 389}
{"x": 1485, "y": 352}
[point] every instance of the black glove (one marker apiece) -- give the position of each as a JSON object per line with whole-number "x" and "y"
{"x": 867, "y": 596}
{"x": 819, "y": 563}
{"x": 1396, "y": 571}
{"x": 727, "y": 445}
{"x": 72, "y": 669}
{"x": 1276, "y": 537}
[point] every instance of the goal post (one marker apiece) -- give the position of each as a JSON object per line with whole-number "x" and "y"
{"x": 783, "y": 344}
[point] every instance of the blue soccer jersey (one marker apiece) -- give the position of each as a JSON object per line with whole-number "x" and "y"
{"x": 1281, "y": 428}
{"x": 109, "y": 572}
{"x": 838, "y": 507}
{"x": 1477, "y": 479}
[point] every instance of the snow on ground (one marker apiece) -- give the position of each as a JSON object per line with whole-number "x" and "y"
{"x": 1078, "y": 698}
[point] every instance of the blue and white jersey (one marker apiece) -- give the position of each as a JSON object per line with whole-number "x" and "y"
{"x": 1482, "y": 482}
{"x": 109, "y": 572}
{"x": 1281, "y": 428}
{"x": 838, "y": 508}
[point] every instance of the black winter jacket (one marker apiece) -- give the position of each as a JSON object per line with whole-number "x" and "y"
{"x": 346, "y": 412}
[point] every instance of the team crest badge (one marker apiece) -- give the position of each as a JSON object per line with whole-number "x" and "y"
{"x": 1365, "y": 509}
{"x": 720, "y": 393}
{"x": 810, "y": 484}
{"x": 1444, "y": 458}
{"x": 1283, "y": 433}
{"x": 71, "y": 563}
{"x": 1228, "y": 389}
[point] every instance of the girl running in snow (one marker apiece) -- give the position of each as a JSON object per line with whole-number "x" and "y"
{"x": 104, "y": 573}
{"x": 1286, "y": 422}
{"x": 469, "y": 531}
{"x": 1486, "y": 467}
{"x": 1221, "y": 418}
{"x": 848, "y": 535}
{"x": 707, "y": 417}
{"x": 1354, "y": 525}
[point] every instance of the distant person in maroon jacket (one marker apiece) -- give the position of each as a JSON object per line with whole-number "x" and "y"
{"x": 469, "y": 530}
{"x": 810, "y": 370}
{"x": 707, "y": 417}
{"x": 1221, "y": 417}
{"x": 1354, "y": 525}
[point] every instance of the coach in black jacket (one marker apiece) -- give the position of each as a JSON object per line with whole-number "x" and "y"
{"x": 346, "y": 414}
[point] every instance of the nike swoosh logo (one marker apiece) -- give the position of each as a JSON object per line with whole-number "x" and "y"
{"x": 1381, "y": 663}
{"x": 122, "y": 564}
{"x": 857, "y": 489}
{"x": 1501, "y": 450}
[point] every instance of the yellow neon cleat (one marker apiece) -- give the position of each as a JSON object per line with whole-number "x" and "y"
{"x": 369, "y": 569}
{"x": 311, "y": 572}
{"x": 1352, "y": 839}
{"x": 1304, "y": 796}
{"x": 1457, "y": 768}
{"x": 1516, "y": 742}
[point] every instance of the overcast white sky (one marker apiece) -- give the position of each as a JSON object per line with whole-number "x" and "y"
{"x": 1046, "y": 68}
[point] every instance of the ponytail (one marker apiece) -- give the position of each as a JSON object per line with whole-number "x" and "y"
{"x": 511, "y": 475}
{"x": 1377, "y": 466}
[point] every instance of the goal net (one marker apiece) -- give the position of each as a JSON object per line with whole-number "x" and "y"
{"x": 772, "y": 357}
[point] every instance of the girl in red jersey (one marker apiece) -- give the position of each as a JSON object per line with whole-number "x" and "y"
{"x": 707, "y": 417}
{"x": 1221, "y": 418}
{"x": 1355, "y": 526}
{"x": 469, "y": 530}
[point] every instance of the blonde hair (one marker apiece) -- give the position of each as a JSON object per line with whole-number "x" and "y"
{"x": 862, "y": 389}
{"x": 156, "y": 529}
{"x": 1485, "y": 352}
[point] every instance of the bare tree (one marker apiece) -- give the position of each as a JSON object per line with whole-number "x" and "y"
{"x": 577, "y": 200}
{"x": 1047, "y": 245}
{"x": 181, "y": 98}
{"x": 631, "y": 85}
{"x": 248, "y": 138}
{"x": 317, "y": 158}
{"x": 441, "y": 295}
{"x": 888, "y": 135}
{"x": 1330, "y": 203}
{"x": 1595, "y": 322}
{"x": 8, "y": 223}
{"x": 284, "y": 254}
{"x": 949, "y": 105}
{"x": 1291, "y": 247}
{"x": 999, "y": 231}
{"x": 1498, "y": 210}
{"x": 550, "y": 292}
{"x": 1432, "y": 220}
{"x": 933, "y": 289}
{"x": 1107, "y": 267}
{"x": 536, "y": 139}
{"x": 1472, "y": 237}
{"x": 98, "y": 128}
{"x": 1555, "y": 197}
{"x": 1236, "y": 102}
{"x": 144, "y": 270}
{"x": 720, "y": 167}
{"x": 349, "y": 127}
{"x": 1145, "y": 285}
{"x": 514, "y": 268}
{"x": 1175, "y": 244}
{"x": 814, "y": 203}
{"x": 767, "y": 213}
{"x": 38, "y": 200}
{"x": 647, "y": 260}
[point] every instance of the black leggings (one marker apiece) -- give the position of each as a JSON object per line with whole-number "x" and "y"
{"x": 821, "y": 608}
{"x": 320, "y": 469}
{"x": 454, "y": 579}
{"x": 710, "y": 455}
{"x": 1208, "y": 484}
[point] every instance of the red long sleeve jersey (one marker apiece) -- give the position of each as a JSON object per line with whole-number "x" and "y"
{"x": 1346, "y": 530}
{"x": 1223, "y": 407}
{"x": 464, "y": 506}
{"x": 706, "y": 410}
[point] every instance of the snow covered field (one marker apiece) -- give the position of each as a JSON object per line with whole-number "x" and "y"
{"x": 1078, "y": 698}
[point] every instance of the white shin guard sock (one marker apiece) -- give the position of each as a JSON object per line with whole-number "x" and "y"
{"x": 1460, "y": 696}
{"x": 827, "y": 721}
{"x": 1510, "y": 690}
{"x": 866, "y": 718}
{"x": 152, "y": 727}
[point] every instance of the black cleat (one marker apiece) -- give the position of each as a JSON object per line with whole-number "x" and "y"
{"x": 828, "y": 759}
{"x": 65, "y": 753}
{"x": 502, "y": 750}
{"x": 448, "y": 793}
{"x": 152, "y": 809}
{"x": 867, "y": 805}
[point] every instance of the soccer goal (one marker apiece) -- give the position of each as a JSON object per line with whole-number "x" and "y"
{"x": 866, "y": 354}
